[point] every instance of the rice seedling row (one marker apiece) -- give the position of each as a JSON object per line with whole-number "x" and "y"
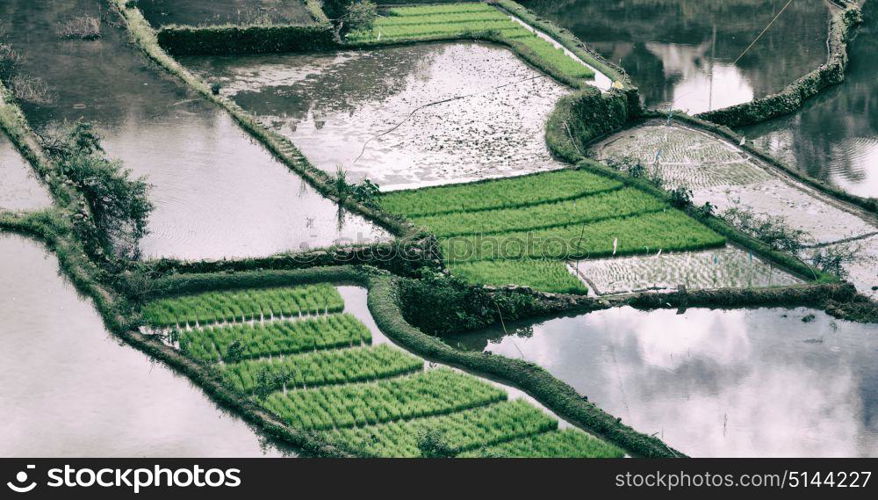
{"x": 545, "y": 275}
{"x": 666, "y": 230}
{"x": 430, "y": 10}
{"x": 461, "y": 431}
{"x": 434, "y": 392}
{"x": 235, "y": 342}
{"x": 568, "y": 443}
{"x": 358, "y": 364}
{"x": 242, "y": 305}
{"x": 522, "y": 191}
{"x": 619, "y": 203}
{"x": 412, "y": 23}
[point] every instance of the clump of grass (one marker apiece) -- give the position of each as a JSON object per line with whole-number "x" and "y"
{"x": 31, "y": 89}
{"x": 9, "y": 59}
{"x": 80, "y": 28}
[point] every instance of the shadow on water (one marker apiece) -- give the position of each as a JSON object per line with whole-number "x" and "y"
{"x": 835, "y": 137}
{"x": 217, "y": 192}
{"x": 681, "y": 53}
{"x": 762, "y": 382}
{"x": 68, "y": 388}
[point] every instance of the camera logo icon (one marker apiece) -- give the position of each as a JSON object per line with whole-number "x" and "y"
{"x": 21, "y": 478}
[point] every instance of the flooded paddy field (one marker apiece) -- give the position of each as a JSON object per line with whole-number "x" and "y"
{"x": 406, "y": 116}
{"x": 217, "y": 193}
{"x": 714, "y": 383}
{"x": 835, "y": 136}
{"x": 720, "y": 173}
{"x": 212, "y": 12}
{"x": 19, "y": 187}
{"x": 682, "y": 53}
{"x": 68, "y": 388}
{"x": 727, "y": 267}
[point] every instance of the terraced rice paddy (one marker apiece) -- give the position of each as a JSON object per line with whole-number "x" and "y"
{"x": 211, "y": 12}
{"x": 71, "y": 389}
{"x": 728, "y": 267}
{"x": 406, "y": 116}
{"x": 19, "y": 187}
{"x": 527, "y": 241}
{"x": 724, "y": 175}
{"x": 217, "y": 193}
{"x": 446, "y": 21}
{"x": 713, "y": 383}
{"x": 322, "y": 373}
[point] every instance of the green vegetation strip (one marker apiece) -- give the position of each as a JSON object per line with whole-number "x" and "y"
{"x": 565, "y": 443}
{"x": 462, "y": 431}
{"x": 667, "y": 230}
{"x": 523, "y": 191}
{"x": 230, "y": 343}
{"x": 539, "y": 274}
{"x": 594, "y": 208}
{"x": 459, "y": 20}
{"x": 335, "y": 366}
{"x": 434, "y": 392}
{"x": 214, "y": 307}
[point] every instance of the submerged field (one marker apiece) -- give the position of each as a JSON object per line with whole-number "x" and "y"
{"x": 217, "y": 193}
{"x": 306, "y": 356}
{"x": 404, "y": 116}
{"x": 20, "y": 189}
{"x": 522, "y": 230}
{"x": 714, "y": 383}
{"x": 212, "y": 12}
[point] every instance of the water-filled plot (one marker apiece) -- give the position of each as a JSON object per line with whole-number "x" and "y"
{"x": 331, "y": 371}
{"x": 727, "y": 267}
{"x": 217, "y": 192}
{"x": 835, "y": 135}
{"x": 727, "y": 177}
{"x": 19, "y": 187}
{"x": 404, "y": 116}
{"x": 70, "y": 388}
{"x": 684, "y": 54}
{"x": 213, "y": 12}
{"x": 714, "y": 383}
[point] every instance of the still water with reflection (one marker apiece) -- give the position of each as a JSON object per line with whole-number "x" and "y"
{"x": 68, "y": 388}
{"x": 681, "y": 53}
{"x": 217, "y": 193}
{"x": 835, "y": 136}
{"x": 762, "y": 382}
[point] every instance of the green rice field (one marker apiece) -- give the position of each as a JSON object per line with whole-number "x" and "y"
{"x": 320, "y": 373}
{"x": 523, "y": 230}
{"x": 459, "y": 20}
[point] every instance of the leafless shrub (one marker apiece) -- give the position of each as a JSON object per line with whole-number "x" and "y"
{"x": 82, "y": 28}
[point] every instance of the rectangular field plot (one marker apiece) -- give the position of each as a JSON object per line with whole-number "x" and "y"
{"x": 566, "y": 443}
{"x": 727, "y": 267}
{"x": 462, "y": 431}
{"x": 523, "y": 191}
{"x": 434, "y": 392}
{"x": 335, "y": 366}
{"x": 520, "y": 231}
{"x": 230, "y": 343}
{"x": 455, "y": 20}
{"x": 243, "y": 305}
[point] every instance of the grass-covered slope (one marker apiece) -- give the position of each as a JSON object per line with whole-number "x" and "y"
{"x": 522, "y": 230}
{"x": 294, "y": 353}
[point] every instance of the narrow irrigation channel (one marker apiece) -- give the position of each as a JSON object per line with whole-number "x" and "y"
{"x": 714, "y": 383}
{"x": 218, "y": 194}
{"x": 682, "y": 53}
{"x": 68, "y": 388}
